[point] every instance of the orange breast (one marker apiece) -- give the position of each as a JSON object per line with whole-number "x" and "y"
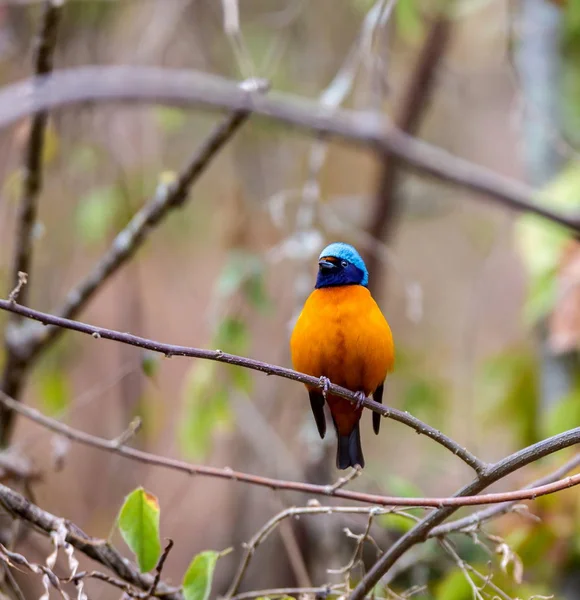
{"x": 342, "y": 334}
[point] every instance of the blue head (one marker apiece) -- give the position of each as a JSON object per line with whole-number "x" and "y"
{"x": 341, "y": 264}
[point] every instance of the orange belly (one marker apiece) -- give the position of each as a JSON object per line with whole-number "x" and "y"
{"x": 342, "y": 334}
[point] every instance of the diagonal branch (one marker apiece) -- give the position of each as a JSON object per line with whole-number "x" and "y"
{"x": 26, "y": 344}
{"x": 12, "y": 376}
{"x": 97, "y": 549}
{"x": 169, "y": 350}
{"x": 411, "y": 113}
{"x": 467, "y": 498}
{"x": 128, "y": 241}
{"x": 421, "y": 531}
{"x": 477, "y": 518}
{"x": 186, "y": 88}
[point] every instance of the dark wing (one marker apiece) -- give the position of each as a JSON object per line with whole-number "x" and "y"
{"x": 317, "y": 405}
{"x": 377, "y": 397}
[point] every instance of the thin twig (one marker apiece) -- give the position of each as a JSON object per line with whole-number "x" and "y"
{"x": 480, "y": 516}
{"x": 515, "y": 461}
{"x": 421, "y": 531}
{"x": 322, "y": 592}
{"x": 169, "y": 350}
{"x": 12, "y": 377}
{"x": 187, "y": 88}
{"x": 413, "y": 107}
{"x": 160, "y": 563}
{"x": 261, "y": 535}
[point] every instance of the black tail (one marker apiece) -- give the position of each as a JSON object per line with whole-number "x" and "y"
{"x": 349, "y": 451}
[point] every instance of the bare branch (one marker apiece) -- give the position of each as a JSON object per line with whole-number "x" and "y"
{"x": 422, "y": 530}
{"x": 132, "y": 237}
{"x": 186, "y": 88}
{"x": 13, "y": 372}
{"x": 171, "y": 350}
{"x": 24, "y": 348}
{"x": 486, "y": 514}
{"x": 322, "y": 592}
{"x": 463, "y": 498}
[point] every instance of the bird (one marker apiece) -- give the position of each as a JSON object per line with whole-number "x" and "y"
{"x": 341, "y": 336}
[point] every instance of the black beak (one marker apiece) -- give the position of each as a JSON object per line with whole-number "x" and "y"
{"x": 326, "y": 265}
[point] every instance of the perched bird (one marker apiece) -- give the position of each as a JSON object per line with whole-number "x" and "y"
{"x": 341, "y": 335}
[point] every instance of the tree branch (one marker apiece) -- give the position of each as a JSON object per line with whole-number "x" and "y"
{"x": 498, "y": 471}
{"x": 412, "y": 109}
{"x": 171, "y": 350}
{"x": 186, "y": 88}
{"x": 12, "y": 376}
{"x": 464, "y": 498}
{"x": 480, "y": 516}
{"x": 97, "y": 549}
{"x": 131, "y": 238}
{"x": 26, "y": 344}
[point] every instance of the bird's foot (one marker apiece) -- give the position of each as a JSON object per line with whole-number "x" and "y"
{"x": 324, "y": 384}
{"x": 360, "y": 398}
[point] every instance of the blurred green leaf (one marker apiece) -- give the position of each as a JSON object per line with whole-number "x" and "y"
{"x": 139, "y": 525}
{"x": 424, "y": 398}
{"x": 206, "y": 408}
{"x": 54, "y": 390}
{"x": 199, "y": 575}
{"x": 532, "y": 544}
{"x": 244, "y": 272}
{"x": 408, "y": 19}
{"x": 509, "y": 383}
{"x": 169, "y": 119}
{"x": 564, "y": 415}
{"x": 97, "y": 213}
{"x": 398, "y": 523}
{"x": 540, "y": 243}
{"x": 150, "y": 362}
{"x": 541, "y": 297}
{"x": 454, "y": 586}
{"x": 232, "y": 336}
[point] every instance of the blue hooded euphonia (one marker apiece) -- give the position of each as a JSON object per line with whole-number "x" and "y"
{"x": 341, "y": 335}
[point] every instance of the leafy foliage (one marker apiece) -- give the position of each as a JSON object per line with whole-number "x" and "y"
{"x": 139, "y": 525}
{"x": 198, "y": 577}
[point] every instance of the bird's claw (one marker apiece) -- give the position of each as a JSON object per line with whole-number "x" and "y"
{"x": 360, "y": 398}
{"x": 324, "y": 384}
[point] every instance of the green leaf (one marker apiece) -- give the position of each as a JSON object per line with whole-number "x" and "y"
{"x": 425, "y": 398}
{"x": 454, "y": 586}
{"x": 565, "y": 414}
{"x": 139, "y": 525}
{"x": 244, "y": 272}
{"x": 395, "y": 522}
{"x": 169, "y": 119}
{"x": 150, "y": 362}
{"x": 97, "y": 213}
{"x": 408, "y": 19}
{"x": 54, "y": 391}
{"x": 232, "y": 336}
{"x": 541, "y": 297}
{"x": 541, "y": 243}
{"x": 510, "y": 386}
{"x": 199, "y": 575}
{"x": 206, "y": 409}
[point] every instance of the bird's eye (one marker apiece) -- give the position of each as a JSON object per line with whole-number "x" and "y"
{"x": 343, "y": 263}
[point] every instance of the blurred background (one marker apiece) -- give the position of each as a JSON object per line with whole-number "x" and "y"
{"x": 484, "y": 304}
